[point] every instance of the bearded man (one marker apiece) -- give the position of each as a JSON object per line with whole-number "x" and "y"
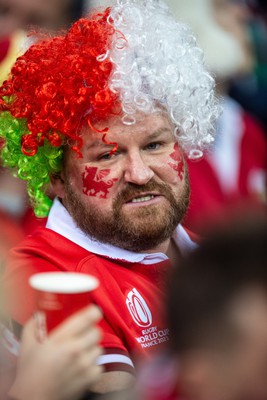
{"x": 107, "y": 113}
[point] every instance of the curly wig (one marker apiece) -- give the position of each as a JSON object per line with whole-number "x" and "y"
{"x": 133, "y": 56}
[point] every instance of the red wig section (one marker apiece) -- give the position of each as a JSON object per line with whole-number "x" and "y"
{"x": 61, "y": 83}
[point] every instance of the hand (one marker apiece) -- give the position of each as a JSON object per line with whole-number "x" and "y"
{"x": 64, "y": 365}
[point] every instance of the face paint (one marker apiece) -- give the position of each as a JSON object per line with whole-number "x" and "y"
{"x": 93, "y": 183}
{"x": 179, "y": 165}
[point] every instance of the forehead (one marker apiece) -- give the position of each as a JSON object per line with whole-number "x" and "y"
{"x": 118, "y": 132}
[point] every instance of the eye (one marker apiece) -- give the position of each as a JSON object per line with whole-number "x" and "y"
{"x": 153, "y": 146}
{"x": 108, "y": 156}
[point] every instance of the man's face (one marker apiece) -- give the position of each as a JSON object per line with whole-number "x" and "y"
{"x": 135, "y": 197}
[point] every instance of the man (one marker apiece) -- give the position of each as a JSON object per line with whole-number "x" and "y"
{"x": 217, "y": 313}
{"x": 105, "y": 113}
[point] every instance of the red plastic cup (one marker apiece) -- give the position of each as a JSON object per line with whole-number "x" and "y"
{"x": 59, "y": 295}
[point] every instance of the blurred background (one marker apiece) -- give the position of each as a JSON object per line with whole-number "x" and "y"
{"x": 231, "y": 178}
{"x": 17, "y": 19}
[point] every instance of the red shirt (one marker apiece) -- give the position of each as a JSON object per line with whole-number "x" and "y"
{"x": 131, "y": 291}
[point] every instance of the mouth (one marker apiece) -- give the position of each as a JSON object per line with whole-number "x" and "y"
{"x": 143, "y": 198}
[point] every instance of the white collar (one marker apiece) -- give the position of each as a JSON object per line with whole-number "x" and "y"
{"x": 60, "y": 221}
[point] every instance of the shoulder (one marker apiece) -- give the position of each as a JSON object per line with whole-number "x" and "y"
{"x": 44, "y": 242}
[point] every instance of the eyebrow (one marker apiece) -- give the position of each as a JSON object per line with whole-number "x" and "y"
{"x": 157, "y": 133}
{"x": 99, "y": 144}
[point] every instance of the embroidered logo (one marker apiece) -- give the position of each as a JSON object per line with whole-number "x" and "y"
{"x": 138, "y": 309}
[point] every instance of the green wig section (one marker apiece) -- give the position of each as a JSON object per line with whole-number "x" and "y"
{"x": 35, "y": 169}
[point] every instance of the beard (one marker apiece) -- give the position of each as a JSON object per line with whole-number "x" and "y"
{"x": 142, "y": 229}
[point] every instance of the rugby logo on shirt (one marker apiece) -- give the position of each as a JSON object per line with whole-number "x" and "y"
{"x": 138, "y": 309}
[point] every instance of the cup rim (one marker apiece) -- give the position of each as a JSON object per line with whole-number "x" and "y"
{"x": 63, "y": 282}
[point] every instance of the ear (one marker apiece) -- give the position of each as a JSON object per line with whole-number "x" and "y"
{"x": 58, "y": 185}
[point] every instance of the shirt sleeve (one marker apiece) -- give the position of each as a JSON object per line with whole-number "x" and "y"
{"x": 116, "y": 356}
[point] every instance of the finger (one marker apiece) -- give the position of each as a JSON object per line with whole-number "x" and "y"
{"x": 28, "y": 337}
{"x": 88, "y": 360}
{"x": 78, "y": 323}
{"x": 84, "y": 346}
{"x": 89, "y": 339}
{"x": 28, "y": 330}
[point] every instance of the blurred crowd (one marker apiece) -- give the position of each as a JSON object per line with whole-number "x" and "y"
{"x": 219, "y": 294}
{"x": 233, "y": 175}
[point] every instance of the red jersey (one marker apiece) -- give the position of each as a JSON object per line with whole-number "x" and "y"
{"x": 131, "y": 290}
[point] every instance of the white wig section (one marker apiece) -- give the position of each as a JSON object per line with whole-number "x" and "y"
{"x": 223, "y": 53}
{"x": 157, "y": 63}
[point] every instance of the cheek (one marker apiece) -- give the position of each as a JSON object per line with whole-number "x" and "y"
{"x": 176, "y": 162}
{"x": 97, "y": 182}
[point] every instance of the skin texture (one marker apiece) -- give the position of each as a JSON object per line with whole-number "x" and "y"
{"x": 73, "y": 347}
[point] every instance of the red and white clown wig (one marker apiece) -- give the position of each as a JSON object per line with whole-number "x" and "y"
{"x": 133, "y": 56}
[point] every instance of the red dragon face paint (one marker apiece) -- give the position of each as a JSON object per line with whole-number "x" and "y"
{"x": 177, "y": 156}
{"x": 94, "y": 184}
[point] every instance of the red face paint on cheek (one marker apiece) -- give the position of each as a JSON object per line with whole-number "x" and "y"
{"x": 94, "y": 184}
{"x": 178, "y": 166}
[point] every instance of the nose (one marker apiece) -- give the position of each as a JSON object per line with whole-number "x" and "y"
{"x": 136, "y": 170}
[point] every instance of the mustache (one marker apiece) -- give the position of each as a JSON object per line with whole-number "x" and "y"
{"x": 132, "y": 190}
